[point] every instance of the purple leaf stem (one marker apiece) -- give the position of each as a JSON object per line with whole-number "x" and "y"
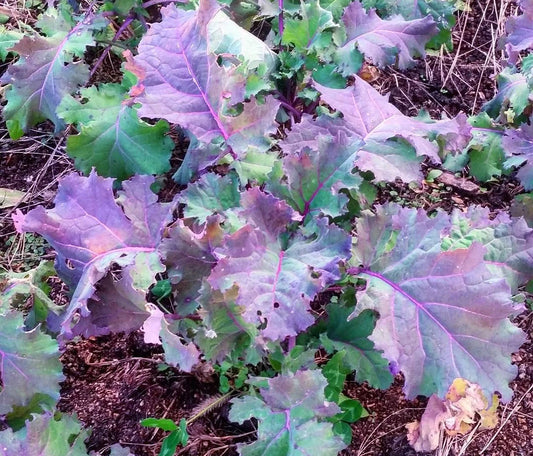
{"x": 124, "y": 26}
{"x": 281, "y": 23}
{"x": 297, "y": 114}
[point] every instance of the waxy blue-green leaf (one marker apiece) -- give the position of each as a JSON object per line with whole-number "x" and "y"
{"x": 292, "y": 417}
{"x": 312, "y": 31}
{"x": 443, "y": 314}
{"x": 351, "y": 337}
{"x": 46, "y": 435}
{"x": 29, "y": 363}
{"x": 211, "y": 194}
{"x": 8, "y": 39}
{"x": 485, "y": 151}
{"x": 46, "y": 72}
{"x": 512, "y": 97}
{"x": 112, "y": 139}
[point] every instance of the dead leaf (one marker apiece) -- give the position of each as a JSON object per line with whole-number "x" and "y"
{"x": 464, "y": 406}
{"x": 10, "y": 198}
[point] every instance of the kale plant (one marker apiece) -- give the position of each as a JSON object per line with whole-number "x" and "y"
{"x": 249, "y": 249}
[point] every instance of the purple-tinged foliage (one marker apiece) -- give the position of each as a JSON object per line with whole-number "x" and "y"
{"x": 318, "y": 164}
{"x": 508, "y": 243}
{"x": 276, "y": 281}
{"x": 189, "y": 257}
{"x": 292, "y": 417}
{"x": 46, "y": 71}
{"x": 443, "y": 314}
{"x": 91, "y": 230}
{"x": 519, "y": 31}
{"x": 29, "y": 364}
{"x": 181, "y": 82}
{"x": 518, "y": 145}
{"x": 369, "y": 116}
{"x": 386, "y": 42}
{"x": 48, "y": 434}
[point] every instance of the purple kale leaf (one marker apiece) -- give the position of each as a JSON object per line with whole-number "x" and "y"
{"x": 91, "y": 231}
{"x": 188, "y": 255}
{"x": 518, "y": 144}
{"x": 277, "y": 278}
{"x": 443, "y": 314}
{"x": 385, "y": 42}
{"x": 46, "y": 434}
{"x": 29, "y": 364}
{"x": 368, "y": 115}
{"x": 317, "y": 165}
{"x": 180, "y": 81}
{"x": 519, "y": 31}
{"x": 46, "y": 71}
{"x": 292, "y": 417}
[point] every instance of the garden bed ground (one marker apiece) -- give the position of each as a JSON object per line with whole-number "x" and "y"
{"x": 112, "y": 382}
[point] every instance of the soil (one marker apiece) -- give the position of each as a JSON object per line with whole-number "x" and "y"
{"x": 112, "y": 382}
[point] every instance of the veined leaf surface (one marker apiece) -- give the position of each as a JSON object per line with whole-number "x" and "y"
{"x": 443, "y": 315}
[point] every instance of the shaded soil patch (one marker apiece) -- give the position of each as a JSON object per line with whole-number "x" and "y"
{"x": 113, "y": 382}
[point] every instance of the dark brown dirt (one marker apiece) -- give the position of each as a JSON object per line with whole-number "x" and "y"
{"x": 113, "y": 382}
{"x": 458, "y": 81}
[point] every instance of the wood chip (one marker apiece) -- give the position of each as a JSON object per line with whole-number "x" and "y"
{"x": 459, "y": 183}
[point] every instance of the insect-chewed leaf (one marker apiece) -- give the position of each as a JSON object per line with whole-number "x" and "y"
{"x": 318, "y": 164}
{"x": 112, "y": 139}
{"x": 276, "y": 281}
{"x": 443, "y": 314}
{"x": 30, "y": 364}
{"x": 369, "y": 116}
{"x": 197, "y": 92}
{"x": 224, "y": 331}
{"x": 291, "y": 417}
{"x": 189, "y": 258}
{"x": 45, "y": 435}
{"x": 385, "y": 42}
{"x": 46, "y": 72}
{"x": 91, "y": 231}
